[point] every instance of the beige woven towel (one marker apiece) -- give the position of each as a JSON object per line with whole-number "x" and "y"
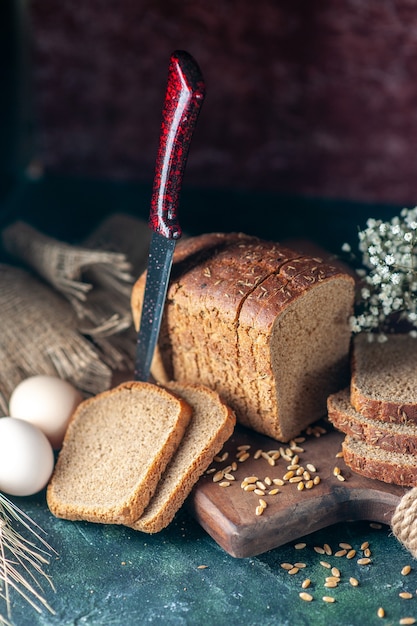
{"x": 65, "y": 268}
{"x": 96, "y": 278}
{"x": 39, "y": 336}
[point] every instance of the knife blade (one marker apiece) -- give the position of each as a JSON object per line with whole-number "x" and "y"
{"x": 185, "y": 94}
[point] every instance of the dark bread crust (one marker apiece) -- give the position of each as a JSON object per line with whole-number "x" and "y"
{"x": 393, "y": 438}
{"x": 394, "y": 468}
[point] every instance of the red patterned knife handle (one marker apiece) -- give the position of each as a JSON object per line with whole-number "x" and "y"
{"x": 184, "y": 97}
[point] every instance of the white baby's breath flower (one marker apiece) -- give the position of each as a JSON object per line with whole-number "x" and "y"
{"x": 389, "y": 272}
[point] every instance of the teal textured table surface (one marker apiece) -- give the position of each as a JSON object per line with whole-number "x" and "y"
{"x": 111, "y": 575}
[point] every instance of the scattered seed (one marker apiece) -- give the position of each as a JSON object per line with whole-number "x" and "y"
{"x": 300, "y": 486}
{"x": 363, "y": 561}
{"x": 336, "y": 571}
{"x": 300, "y": 439}
{"x": 336, "y": 471}
{"x": 224, "y": 483}
{"x": 346, "y": 546}
{"x": 406, "y": 595}
{"x": 354, "y": 581}
{"x": 244, "y": 447}
{"x": 221, "y": 458}
{"x": 307, "y": 597}
{"x": 375, "y": 525}
{"x": 300, "y": 546}
{"x": 319, "y": 550}
{"x": 365, "y": 545}
{"x": 300, "y": 565}
{"x": 339, "y": 455}
{"x": 229, "y": 476}
{"x": 259, "y": 510}
{"x": 260, "y": 485}
{"x": 367, "y": 552}
{"x": 288, "y": 475}
{"x": 211, "y": 470}
{"x": 351, "y": 554}
{"x": 340, "y": 552}
{"x": 218, "y": 476}
{"x": 316, "y": 480}
{"x": 327, "y": 549}
{"x": 310, "y": 484}
{"x": 259, "y": 492}
{"x": 331, "y": 584}
{"x": 278, "y": 481}
{"x": 325, "y": 564}
{"x": 202, "y": 566}
{"x": 328, "y": 599}
{"x": 295, "y": 479}
{"x": 407, "y": 620}
{"x": 273, "y": 492}
{"x": 258, "y": 454}
{"x": 243, "y": 457}
{"x": 306, "y": 475}
{"x": 249, "y": 488}
{"x": 306, "y": 583}
{"x": 287, "y": 566}
{"x": 380, "y": 612}
{"x": 297, "y": 449}
{"x": 267, "y": 481}
{"x": 406, "y": 570}
{"x": 262, "y": 503}
{"x": 250, "y": 479}
{"x": 294, "y": 570}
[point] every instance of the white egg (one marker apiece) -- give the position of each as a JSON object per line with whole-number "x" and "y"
{"x": 47, "y": 402}
{"x": 26, "y": 458}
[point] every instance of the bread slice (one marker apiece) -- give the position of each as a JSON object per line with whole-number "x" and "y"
{"x": 212, "y": 424}
{"x": 387, "y": 436}
{"x": 264, "y": 326}
{"x": 115, "y": 450}
{"x": 373, "y": 462}
{"x": 384, "y": 378}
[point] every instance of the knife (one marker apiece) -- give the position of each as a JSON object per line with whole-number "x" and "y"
{"x": 184, "y": 96}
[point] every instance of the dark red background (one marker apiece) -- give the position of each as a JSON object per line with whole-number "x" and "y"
{"x": 309, "y": 97}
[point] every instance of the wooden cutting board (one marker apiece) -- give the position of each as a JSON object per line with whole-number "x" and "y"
{"x": 228, "y": 513}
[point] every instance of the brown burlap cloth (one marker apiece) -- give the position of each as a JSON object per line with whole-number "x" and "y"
{"x": 65, "y": 309}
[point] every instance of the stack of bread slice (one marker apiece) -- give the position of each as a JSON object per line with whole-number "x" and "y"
{"x": 378, "y": 413}
{"x": 131, "y": 455}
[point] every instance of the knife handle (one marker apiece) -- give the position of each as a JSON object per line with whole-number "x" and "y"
{"x": 184, "y": 96}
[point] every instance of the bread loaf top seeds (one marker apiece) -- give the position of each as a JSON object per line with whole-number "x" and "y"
{"x": 264, "y": 326}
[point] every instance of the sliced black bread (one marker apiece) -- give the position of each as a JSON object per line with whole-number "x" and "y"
{"x": 393, "y": 437}
{"x": 212, "y": 424}
{"x": 384, "y": 378}
{"x": 115, "y": 451}
{"x": 374, "y": 462}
